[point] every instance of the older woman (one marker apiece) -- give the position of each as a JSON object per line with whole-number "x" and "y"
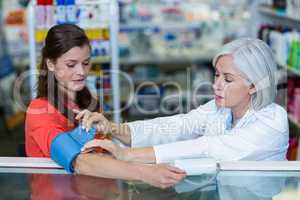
{"x": 241, "y": 123}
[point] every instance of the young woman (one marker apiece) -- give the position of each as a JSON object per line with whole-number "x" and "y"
{"x": 50, "y": 124}
{"x": 241, "y": 123}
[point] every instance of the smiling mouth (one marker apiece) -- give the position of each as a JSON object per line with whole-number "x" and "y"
{"x": 79, "y": 80}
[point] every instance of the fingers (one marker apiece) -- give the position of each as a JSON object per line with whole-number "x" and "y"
{"x": 89, "y": 118}
{"x": 105, "y": 144}
{"x": 168, "y": 182}
{"x": 80, "y": 114}
{"x": 166, "y": 185}
{"x": 94, "y": 118}
{"x": 173, "y": 175}
{"x": 87, "y": 150}
{"x": 76, "y": 111}
{"x": 85, "y": 119}
{"x": 100, "y": 127}
{"x": 175, "y": 169}
{"x": 90, "y": 144}
{"x": 176, "y": 177}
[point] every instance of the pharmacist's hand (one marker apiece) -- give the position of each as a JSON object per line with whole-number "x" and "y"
{"x": 96, "y": 119}
{"x": 117, "y": 151}
{"x": 162, "y": 176}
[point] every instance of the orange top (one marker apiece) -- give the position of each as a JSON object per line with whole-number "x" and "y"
{"x": 43, "y": 123}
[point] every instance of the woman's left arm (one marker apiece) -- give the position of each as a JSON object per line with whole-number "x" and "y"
{"x": 142, "y": 155}
{"x": 256, "y": 141}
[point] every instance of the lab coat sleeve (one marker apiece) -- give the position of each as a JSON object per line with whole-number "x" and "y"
{"x": 256, "y": 141}
{"x": 170, "y": 129}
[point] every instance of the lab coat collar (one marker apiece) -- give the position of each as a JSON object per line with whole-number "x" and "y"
{"x": 241, "y": 122}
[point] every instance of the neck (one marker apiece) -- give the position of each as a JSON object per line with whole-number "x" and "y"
{"x": 71, "y": 96}
{"x": 239, "y": 111}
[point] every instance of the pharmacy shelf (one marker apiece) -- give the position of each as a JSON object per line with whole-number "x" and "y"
{"x": 92, "y": 34}
{"x": 178, "y": 60}
{"x": 158, "y": 26}
{"x": 109, "y": 32}
{"x": 289, "y": 69}
{"x": 294, "y": 121}
{"x": 101, "y": 59}
{"x": 293, "y": 70}
{"x": 268, "y": 10}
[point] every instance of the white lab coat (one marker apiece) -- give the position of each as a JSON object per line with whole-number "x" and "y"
{"x": 206, "y": 132}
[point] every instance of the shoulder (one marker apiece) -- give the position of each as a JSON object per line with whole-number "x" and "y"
{"x": 42, "y": 112}
{"x": 40, "y": 106}
{"x": 208, "y": 107}
{"x": 38, "y": 102}
{"x": 274, "y": 116}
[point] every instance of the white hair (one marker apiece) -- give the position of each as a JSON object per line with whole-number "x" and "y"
{"x": 255, "y": 60}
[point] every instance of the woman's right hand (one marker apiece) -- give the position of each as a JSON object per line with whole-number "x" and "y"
{"x": 162, "y": 176}
{"x": 96, "y": 119}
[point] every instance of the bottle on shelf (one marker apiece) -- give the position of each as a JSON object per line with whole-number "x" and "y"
{"x": 297, "y": 104}
{"x": 71, "y": 11}
{"x": 61, "y": 16}
{"x": 41, "y": 14}
{"x": 49, "y": 22}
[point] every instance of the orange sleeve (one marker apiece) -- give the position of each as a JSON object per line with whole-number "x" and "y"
{"x": 43, "y": 124}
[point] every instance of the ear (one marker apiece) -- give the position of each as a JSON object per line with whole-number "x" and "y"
{"x": 252, "y": 89}
{"x": 50, "y": 65}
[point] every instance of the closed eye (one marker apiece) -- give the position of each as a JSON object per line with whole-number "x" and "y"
{"x": 70, "y": 65}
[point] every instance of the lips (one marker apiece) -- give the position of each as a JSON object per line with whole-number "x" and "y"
{"x": 217, "y": 97}
{"x": 79, "y": 80}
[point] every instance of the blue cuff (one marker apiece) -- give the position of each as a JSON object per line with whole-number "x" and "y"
{"x": 81, "y": 136}
{"x": 64, "y": 149}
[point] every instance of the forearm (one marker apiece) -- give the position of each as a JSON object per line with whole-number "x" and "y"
{"x": 107, "y": 167}
{"x": 142, "y": 155}
{"x": 121, "y": 132}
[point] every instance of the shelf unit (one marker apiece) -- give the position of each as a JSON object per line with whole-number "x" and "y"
{"x": 267, "y": 15}
{"x": 154, "y": 59}
{"x": 38, "y": 35}
{"x": 293, "y": 70}
{"x": 268, "y": 10}
{"x": 170, "y": 57}
{"x": 290, "y": 70}
{"x": 294, "y": 121}
{"x": 155, "y": 26}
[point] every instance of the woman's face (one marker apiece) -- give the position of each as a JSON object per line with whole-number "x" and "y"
{"x": 230, "y": 88}
{"x": 71, "y": 69}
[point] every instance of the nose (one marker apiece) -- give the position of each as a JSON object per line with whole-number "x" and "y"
{"x": 218, "y": 84}
{"x": 80, "y": 70}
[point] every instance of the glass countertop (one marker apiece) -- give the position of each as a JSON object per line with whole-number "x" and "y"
{"x": 237, "y": 183}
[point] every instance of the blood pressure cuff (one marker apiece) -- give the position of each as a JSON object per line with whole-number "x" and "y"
{"x": 81, "y": 136}
{"x": 66, "y": 146}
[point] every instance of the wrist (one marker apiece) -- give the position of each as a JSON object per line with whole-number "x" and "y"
{"x": 141, "y": 170}
{"x": 127, "y": 154}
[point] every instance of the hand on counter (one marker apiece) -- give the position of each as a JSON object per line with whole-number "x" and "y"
{"x": 162, "y": 176}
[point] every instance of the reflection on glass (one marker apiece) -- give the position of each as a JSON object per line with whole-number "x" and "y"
{"x": 223, "y": 185}
{"x": 249, "y": 185}
{"x": 58, "y": 186}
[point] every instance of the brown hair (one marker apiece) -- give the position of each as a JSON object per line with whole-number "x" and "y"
{"x": 60, "y": 39}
